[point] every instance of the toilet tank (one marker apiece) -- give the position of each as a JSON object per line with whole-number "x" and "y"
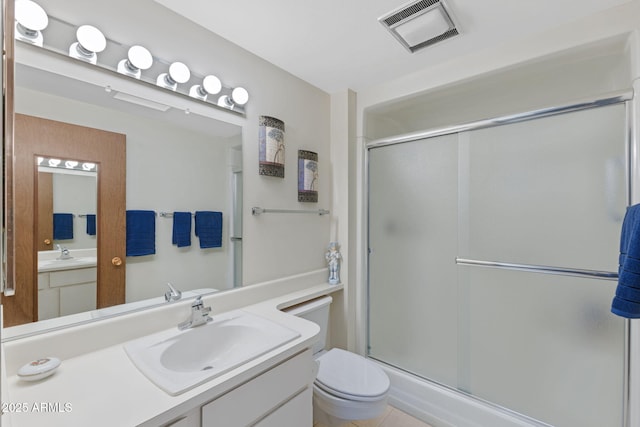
{"x": 316, "y": 311}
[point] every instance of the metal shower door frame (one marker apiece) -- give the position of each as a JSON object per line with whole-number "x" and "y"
{"x": 631, "y": 392}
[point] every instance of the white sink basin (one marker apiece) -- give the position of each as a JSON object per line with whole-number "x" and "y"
{"x": 177, "y": 361}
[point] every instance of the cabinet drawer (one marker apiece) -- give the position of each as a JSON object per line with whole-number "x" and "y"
{"x": 295, "y": 413}
{"x": 251, "y": 401}
{"x": 43, "y": 281}
{"x": 72, "y": 277}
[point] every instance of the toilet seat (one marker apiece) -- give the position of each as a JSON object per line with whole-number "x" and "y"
{"x": 350, "y": 376}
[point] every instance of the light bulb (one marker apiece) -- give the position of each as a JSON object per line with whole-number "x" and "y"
{"x": 239, "y": 96}
{"x": 178, "y": 73}
{"x": 138, "y": 59}
{"x": 90, "y": 42}
{"x": 31, "y": 19}
{"x": 211, "y": 85}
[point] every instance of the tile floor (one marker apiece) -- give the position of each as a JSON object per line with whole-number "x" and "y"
{"x": 391, "y": 418}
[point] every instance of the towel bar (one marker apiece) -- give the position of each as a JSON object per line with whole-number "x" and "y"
{"x": 259, "y": 211}
{"x": 591, "y": 274}
{"x": 167, "y": 214}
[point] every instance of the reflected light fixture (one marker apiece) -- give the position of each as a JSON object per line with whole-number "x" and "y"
{"x": 211, "y": 85}
{"x": 31, "y": 19}
{"x": 47, "y": 162}
{"x": 178, "y": 73}
{"x": 90, "y": 42}
{"x": 419, "y": 24}
{"x": 138, "y": 59}
{"x": 239, "y": 96}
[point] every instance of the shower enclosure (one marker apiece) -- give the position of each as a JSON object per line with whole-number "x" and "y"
{"x": 493, "y": 257}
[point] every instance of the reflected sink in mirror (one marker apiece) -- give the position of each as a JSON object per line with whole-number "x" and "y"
{"x": 79, "y": 258}
{"x": 177, "y": 361}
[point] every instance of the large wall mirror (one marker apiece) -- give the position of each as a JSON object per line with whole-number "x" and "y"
{"x": 176, "y": 160}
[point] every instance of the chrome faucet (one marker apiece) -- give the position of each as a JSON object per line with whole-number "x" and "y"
{"x": 64, "y": 253}
{"x": 172, "y": 294}
{"x": 199, "y": 315}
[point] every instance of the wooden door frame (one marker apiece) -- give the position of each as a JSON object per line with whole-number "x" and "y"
{"x": 48, "y": 138}
{"x": 44, "y": 241}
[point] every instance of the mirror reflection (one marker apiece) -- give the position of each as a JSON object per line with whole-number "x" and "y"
{"x": 175, "y": 162}
{"x": 66, "y": 235}
{"x": 67, "y": 202}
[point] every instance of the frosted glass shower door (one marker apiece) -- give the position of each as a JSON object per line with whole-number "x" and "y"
{"x": 413, "y": 300}
{"x": 545, "y": 192}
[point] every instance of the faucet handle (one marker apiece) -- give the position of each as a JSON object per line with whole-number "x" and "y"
{"x": 198, "y": 303}
{"x": 172, "y": 294}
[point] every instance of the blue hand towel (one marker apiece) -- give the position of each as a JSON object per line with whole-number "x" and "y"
{"x": 141, "y": 233}
{"x": 91, "y": 224}
{"x": 209, "y": 229}
{"x": 181, "y": 229}
{"x": 62, "y": 226}
{"x": 626, "y": 302}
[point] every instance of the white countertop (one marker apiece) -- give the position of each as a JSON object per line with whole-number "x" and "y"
{"x": 79, "y": 258}
{"x": 104, "y": 388}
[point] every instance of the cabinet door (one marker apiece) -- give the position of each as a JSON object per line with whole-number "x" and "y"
{"x": 294, "y": 413}
{"x": 190, "y": 419}
{"x": 251, "y": 401}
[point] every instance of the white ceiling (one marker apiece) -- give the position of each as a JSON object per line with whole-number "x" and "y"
{"x": 339, "y": 44}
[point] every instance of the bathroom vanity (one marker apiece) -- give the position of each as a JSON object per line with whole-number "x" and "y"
{"x": 98, "y": 384}
{"x": 66, "y": 286}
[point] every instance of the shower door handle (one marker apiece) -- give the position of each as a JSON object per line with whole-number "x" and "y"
{"x": 591, "y": 274}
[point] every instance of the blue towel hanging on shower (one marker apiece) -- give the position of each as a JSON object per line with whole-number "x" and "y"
{"x": 62, "y": 226}
{"x": 141, "y": 233}
{"x": 626, "y": 302}
{"x": 181, "y": 229}
{"x": 209, "y": 229}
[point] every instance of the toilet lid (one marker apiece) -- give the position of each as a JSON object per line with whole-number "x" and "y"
{"x": 351, "y": 376}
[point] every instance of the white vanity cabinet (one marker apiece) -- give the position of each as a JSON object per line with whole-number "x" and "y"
{"x": 279, "y": 397}
{"x": 64, "y": 292}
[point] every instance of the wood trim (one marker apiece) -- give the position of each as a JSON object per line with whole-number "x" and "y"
{"x": 8, "y": 75}
{"x": 48, "y": 138}
{"x": 45, "y": 212}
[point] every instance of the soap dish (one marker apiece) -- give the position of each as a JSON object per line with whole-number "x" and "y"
{"x": 39, "y": 369}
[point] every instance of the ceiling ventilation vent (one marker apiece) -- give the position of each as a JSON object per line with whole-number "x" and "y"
{"x": 420, "y": 24}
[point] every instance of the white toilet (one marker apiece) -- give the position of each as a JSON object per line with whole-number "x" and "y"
{"x": 348, "y": 386}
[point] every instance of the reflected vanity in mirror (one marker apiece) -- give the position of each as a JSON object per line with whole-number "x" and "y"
{"x": 66, "y": 236}
{"x": 169, "y": 162}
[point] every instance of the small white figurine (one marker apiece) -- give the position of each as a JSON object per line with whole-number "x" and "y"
{"x": 333, "y": 257}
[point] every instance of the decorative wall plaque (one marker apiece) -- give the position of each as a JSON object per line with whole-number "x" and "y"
{"x": 271, "y": 138}
{"x": 307, "y": 176}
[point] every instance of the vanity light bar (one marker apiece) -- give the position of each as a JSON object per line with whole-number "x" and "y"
{"x": 31, "y": 18}
{"x": 66, "y": 164}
